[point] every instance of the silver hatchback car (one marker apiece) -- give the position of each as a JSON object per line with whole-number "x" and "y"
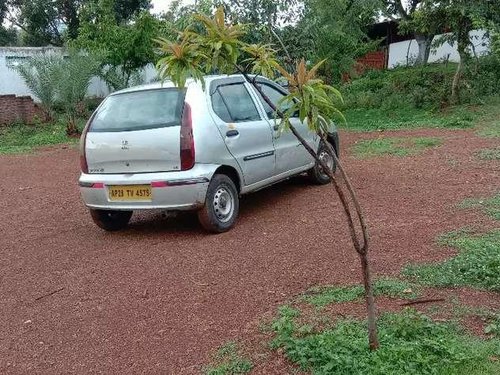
{"x": 161, "y": 147}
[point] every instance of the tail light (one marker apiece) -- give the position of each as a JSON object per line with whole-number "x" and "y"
{"x": 187, "y": 139}
{"x": 83, "y": 157}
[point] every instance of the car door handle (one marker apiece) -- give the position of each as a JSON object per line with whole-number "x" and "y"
{"x": 232, "y": 133}
{"x": 276, "y": 127}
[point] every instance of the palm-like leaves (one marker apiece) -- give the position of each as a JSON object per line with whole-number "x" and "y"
{"x": 311, "y": 98}
{"x": 55, "y": 79}
{"x": 262, "y": 59}
{"x": 221, "y": 40}
{"x": 182, "y": 60}
{"x": 40, "y": 74}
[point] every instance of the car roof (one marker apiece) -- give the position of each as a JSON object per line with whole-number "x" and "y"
{"x": 169, "y": 83}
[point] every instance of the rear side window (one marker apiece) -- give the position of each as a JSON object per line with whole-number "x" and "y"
{"x": 233, "y": 103}
{"x": 139, "y": 110}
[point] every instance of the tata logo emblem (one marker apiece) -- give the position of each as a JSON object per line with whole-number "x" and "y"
{"x": 124, "y": 145}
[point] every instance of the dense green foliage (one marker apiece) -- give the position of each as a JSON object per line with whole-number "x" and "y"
{"x": 335, "y": 31}
{"x": 123, "y": 49}
{"x": 426, "y": 87}
{"x": 411, "y": 343}
{"x": 476, "y": 265}
{"x": 412, "y": 97}
{"x": 43, "y": 22}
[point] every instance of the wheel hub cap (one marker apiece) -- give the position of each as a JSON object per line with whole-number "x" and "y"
{"x": 223, "y": 204}
{"x": 326, "y": 158}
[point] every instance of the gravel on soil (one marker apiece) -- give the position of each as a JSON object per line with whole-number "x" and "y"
{"x": 162, "y": 295}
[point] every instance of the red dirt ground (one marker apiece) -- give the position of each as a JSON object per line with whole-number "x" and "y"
{"x": 161, "y": 296}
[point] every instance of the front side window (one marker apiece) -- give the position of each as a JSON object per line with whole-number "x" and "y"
{"x": 233, "y": 103}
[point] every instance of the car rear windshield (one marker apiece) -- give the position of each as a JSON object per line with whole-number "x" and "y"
{"x": 139, "y": 110}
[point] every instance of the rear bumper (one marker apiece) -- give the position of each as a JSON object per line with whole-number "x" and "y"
{"x": 174, "y": 191}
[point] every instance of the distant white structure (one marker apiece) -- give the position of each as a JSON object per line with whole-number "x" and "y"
{"x": 12, "y": 83}
{"x": 406, "y": 52}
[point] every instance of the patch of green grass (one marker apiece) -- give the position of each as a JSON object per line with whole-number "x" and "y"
{"x": 410, "y": 343}
{"x": 394, "y": 146}
{"x": 227, "y": 361}
{"x": 490, "y": 132}
{"x": 477, "y": 264}
{"x": 406, "y": 118}
{"x": 323, "y": 296}
{"x": 491, "y": 206}
{"x": 489, "y": 154}
{"x": 493, "y": 327}
{"x": 489, "y": 123}
{"x": 21, "y": 138}
{"x": 396, "y": 288}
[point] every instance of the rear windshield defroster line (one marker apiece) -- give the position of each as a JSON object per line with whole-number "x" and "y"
{"x": 139, "y": 110}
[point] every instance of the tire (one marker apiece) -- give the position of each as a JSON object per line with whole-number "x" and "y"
{"x": 316, "y": 174}
{"x": 110, "y": 220}
{"x": 222, "y": 205}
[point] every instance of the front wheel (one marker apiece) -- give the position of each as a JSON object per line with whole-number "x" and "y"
{"x": 222, "y": 205}
{"x": 317, "y": 174}
{"x": 111, "y": 220}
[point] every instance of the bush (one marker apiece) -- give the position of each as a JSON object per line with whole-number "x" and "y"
{"x": 483, "y": 76}
{"x": 411, "y": 343}
{"x": 427, "y": 87}
{"x": 423, "y": 87}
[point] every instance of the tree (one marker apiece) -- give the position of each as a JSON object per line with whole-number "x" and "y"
{"x": 124, "y": 48}
{"x": 41, "y": 75}
{"x": 308, "y": 94}
{"x": 74, "y": 76}
{"x": 179, "y": 16}
{"x": 8, "y": 36}
{"x": 57, "y": 79}
{"x": 336, "y": 31}
{"x": 52, "y": 22}
{"x": 126, "y": 10}
{"x": 463, "y": 16}
{"x": 44, "y": 22}
{"x": 424, "y": 22}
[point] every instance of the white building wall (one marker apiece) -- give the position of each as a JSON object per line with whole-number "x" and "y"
{"x": 398, "y": 51}
{"x": 12, "y": 83}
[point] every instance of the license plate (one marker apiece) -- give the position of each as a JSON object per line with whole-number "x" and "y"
{"x": 130, "y": 193}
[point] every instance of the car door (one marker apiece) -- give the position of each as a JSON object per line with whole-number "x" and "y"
{"x": 247, "y": 135}
{"x": 290, "y": 153}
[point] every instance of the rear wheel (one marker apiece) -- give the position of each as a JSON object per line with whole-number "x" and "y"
{"x": 111, "y": 220}
{"x": 221, "y": 205}
{"x": 317, "y": 174}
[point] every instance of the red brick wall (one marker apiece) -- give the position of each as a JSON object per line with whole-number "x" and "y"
{"x": 373, "y": 60}
{"x": 19, "y": 109}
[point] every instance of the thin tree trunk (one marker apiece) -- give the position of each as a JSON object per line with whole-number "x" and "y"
{"x": 361, "y": 249}
{"x": 424, "y": 48}
{"x": 463, "y": 41}
{"x": 455, "y": 87}
{"x": 370, "y": 301}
